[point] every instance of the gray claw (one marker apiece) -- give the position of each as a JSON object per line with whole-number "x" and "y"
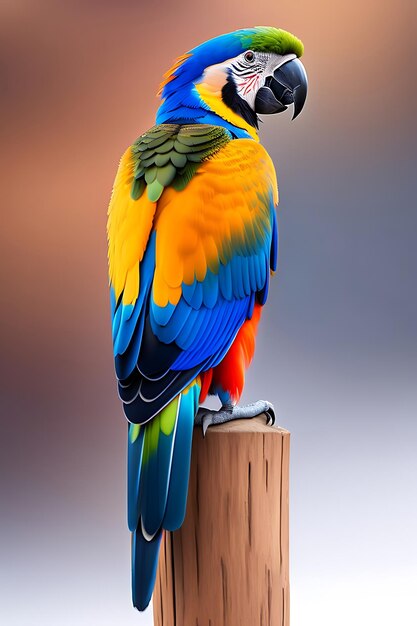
{"x": 206, "y": 418}
{"x": 270, "y": 414}
{"x": 206, "y": 422}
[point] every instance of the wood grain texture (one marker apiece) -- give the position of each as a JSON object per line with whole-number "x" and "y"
{"x": 228, "y": 564}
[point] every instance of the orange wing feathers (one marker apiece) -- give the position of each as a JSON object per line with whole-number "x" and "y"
{"x": 224, "y": 209}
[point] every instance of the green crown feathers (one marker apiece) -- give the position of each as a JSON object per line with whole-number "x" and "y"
{"x": 269, "y": 39}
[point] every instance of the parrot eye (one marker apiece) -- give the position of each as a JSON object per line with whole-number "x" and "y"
{"x": 249, "y": 56}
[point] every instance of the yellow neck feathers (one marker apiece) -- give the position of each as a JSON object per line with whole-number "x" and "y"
{"x": 210, "y": 91}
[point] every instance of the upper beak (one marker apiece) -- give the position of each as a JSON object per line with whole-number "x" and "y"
{"x": 287, "y": 86}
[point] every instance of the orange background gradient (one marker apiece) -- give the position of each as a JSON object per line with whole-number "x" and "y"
{"x": 337, "y": 349}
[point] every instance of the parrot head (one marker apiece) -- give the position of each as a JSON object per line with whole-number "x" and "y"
{"x": 235, "y": 77}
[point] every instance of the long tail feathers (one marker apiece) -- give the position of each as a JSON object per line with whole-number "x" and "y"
{"x": 159, "y": 454}
{"x": 144, "y": 565}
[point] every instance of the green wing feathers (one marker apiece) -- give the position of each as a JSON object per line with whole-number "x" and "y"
{"x": 169, "y": 154}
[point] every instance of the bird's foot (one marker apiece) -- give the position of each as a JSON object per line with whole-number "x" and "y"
{"x": 206, "y": 417}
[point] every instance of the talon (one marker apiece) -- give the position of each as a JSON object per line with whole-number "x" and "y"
{"x": 270, "y": 413}
{"x": 227, "y": 413}
{"x": 206, "y": 422}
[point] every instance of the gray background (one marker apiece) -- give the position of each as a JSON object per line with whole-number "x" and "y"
{"x": 337, "y": 348}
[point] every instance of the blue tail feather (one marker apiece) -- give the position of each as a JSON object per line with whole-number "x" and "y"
{"x": 155, "y": 478}
{"x": 134, "y": 462}
{"x": 178, "y": 486}
{"x": 158, "y": 471}
{"x": 144, "y": 566}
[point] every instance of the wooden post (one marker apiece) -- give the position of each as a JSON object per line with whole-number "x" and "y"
{"x": 228, "y": 564}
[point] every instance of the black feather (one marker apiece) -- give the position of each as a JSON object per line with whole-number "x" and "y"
{"x": 232, "y": 99}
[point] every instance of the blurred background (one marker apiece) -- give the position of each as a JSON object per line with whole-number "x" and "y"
{"x": 337, "y": 350}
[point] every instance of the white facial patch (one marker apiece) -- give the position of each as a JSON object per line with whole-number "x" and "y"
{"x": 248, "y": 72}
{"x": 250, "y": 76}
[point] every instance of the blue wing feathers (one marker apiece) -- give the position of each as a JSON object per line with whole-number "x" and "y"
{"x": 129, "y": 320}
{"x": 117, "y": 316}
{"x": 227, "y": 317}
{"x": 192, "y": 330}
{"x": 185, "y": 338}
{"x": 225, "y": 280}
{"x": 161, "y": 315}
{"x": 262, "y": 293}
{"x": 246, "y": 276}
{"x": 231, "y": 331}
{"x": 199, "y": 350}
{"x": 274, "y": 243}
{"x": 125, "y": 363}
{"x": 126, "y": 326}
{"x": 112, "y": 303}
{"x": 210, "y": 289}
{"x": 237, "y": 278}
{"x": 193, "y": 294}
{"x": 170, "y": 331}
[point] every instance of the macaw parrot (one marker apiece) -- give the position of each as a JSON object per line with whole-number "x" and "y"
{"x": 192, "y": 237}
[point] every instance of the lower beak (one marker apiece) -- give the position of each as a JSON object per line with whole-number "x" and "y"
{"x": 287, "y": 86}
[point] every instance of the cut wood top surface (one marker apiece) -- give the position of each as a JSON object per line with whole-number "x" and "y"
{"x": 250, "y": 425}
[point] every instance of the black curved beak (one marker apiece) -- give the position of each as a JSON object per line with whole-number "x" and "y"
{"x": 287, "y": 86}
